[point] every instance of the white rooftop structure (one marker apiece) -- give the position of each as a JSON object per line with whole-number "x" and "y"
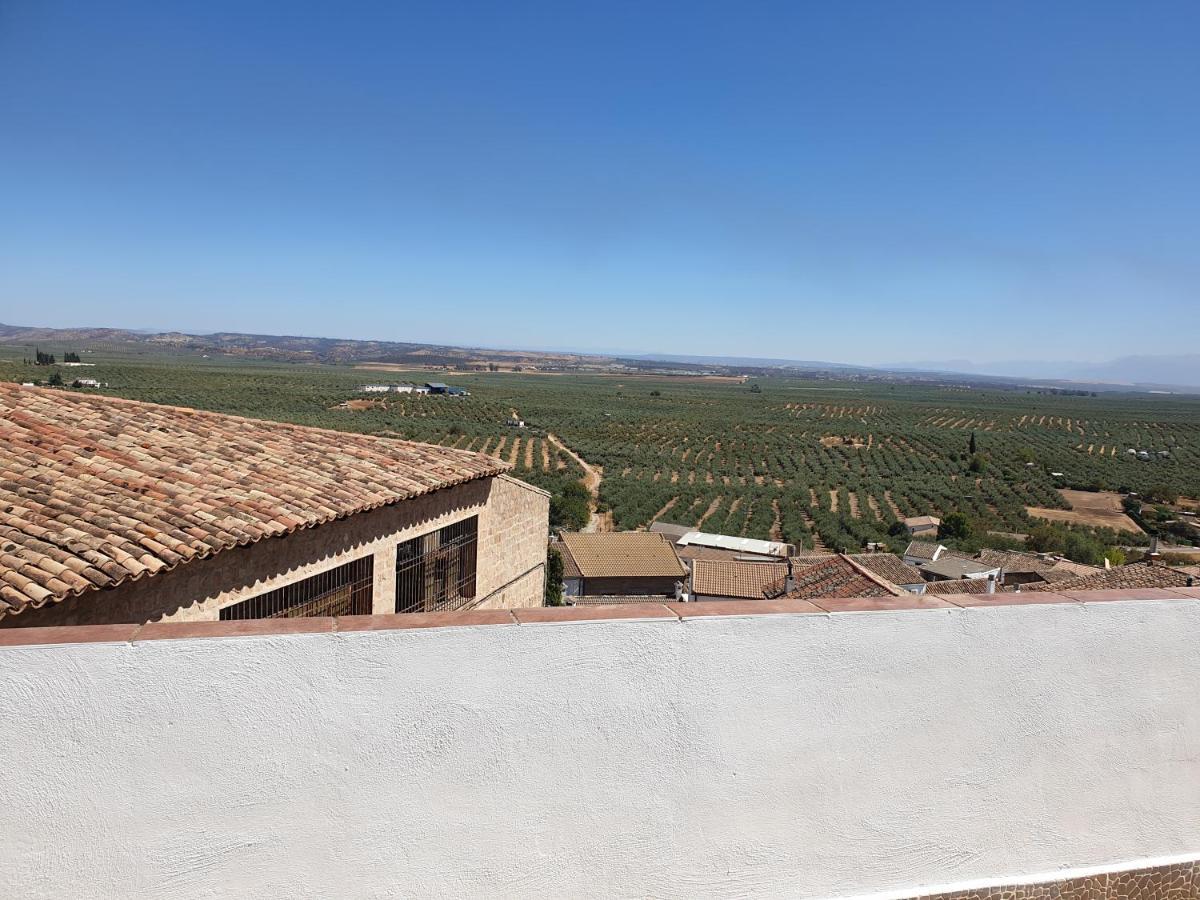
{"x": 737, "y": 544}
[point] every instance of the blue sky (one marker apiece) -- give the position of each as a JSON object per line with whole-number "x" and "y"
{"x": 860, "y": 182}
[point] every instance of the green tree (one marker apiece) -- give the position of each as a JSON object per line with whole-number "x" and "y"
{"x": 570, "y": 508}
{"x": 973, "y": 449}
{"x": 55, "y": 379}
{"x": 1044, "y": 539}
{"x": 554, "y": 578}
{"x": 977, "y": 464}
{"x": 956, "y": 526}
{"x": 1161, "y": 493}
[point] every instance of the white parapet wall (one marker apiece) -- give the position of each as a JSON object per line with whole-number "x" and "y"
{"x": 820, "y": 755}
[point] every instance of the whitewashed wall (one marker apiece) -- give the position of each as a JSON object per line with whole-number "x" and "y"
{"x": 822, "y": 755}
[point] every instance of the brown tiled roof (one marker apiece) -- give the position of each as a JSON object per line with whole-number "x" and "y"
{"x": 835, "y": 577}
{"x": 745, "y": 580}
{"x": 810, "y": 559}
{"x": 617, "y": 599}
{"x": 1056, "y": 575}
{"x": 966, "y": 586}
{"x": 889, "y": 566}
{"x": 623, "y": 554}
{"x": 921, "y": 550}
{"x": 1015, "y": 561}
{"x": 95, "y": 491}
{"x": 1135, "y": 575}
{"x": 1066, "y": 565}
{"x": 570, "y": 570}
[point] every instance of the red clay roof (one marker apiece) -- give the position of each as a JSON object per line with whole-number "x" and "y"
{"x": 836, "y": 577}
{"x": 965, "y": 586}
{"x": 1135, "y": 575}
{"x": 725, "y": 578}
{"x": 95, "y": 491}
{"x": 622, "y": 554}
{"x": 889, "y": 566}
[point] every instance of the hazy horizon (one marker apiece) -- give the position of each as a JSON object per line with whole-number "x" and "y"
{"x": 1179, "y": 370}
{"x": 853, "y": 184}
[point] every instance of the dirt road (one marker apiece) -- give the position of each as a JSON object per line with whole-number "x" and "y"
{"x": 591, "y": 480}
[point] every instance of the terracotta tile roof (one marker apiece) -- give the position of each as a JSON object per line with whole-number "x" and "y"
{"x": 95, "y": 491}
{"x": 835, "y": 577}
{"x": 744, "y": 580}
{"x": 921, "y": 550}
{"x": 1066, "y": 565}
{"x": 623, "y": 554}
{"x": 570, "y": 570}
{"x": 617, "y": 599}
{"x": 889, "y": 566}
{"x": 1015, "y": 561}
{"x": 1135, "y": 575}
{"x": 811, "y": 559}
{"x": 966, "y": 586}
{"x": 1055, "y": 575}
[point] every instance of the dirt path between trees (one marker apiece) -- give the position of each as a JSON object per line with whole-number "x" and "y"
{"x": 591, "y": 480}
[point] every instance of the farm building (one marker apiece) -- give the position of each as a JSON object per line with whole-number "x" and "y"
{"x": 922, "y": 526}
{"x": 115, "y": 511}
{"x": 622, "y": 563}
{"x": 387, "y": 388}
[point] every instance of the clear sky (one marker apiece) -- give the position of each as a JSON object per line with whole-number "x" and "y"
{"x": 858, "y": 182}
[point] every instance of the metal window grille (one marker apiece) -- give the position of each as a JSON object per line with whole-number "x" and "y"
{"x": 436, "y": 571}
{"x": 344, "y": 591}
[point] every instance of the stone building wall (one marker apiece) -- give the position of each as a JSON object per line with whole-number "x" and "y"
{"x": 513, "y": 524}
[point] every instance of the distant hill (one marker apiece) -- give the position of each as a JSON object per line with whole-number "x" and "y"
{"x": 1179, "y": 372}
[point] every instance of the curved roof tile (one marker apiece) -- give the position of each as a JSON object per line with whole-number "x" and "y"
{"x": 95, "y": 491}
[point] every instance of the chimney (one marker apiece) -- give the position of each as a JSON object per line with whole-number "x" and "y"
{"x": 991, "y": 584}
{"x": 789, "y": 583}
{"x": 679, "y": 590}
{"x": 1191, "y": 582}
{"x": 1153, "y": 554}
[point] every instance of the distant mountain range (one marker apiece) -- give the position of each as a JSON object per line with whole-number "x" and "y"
{"x": 1179, "y": 372}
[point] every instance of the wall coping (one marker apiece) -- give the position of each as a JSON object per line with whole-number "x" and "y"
{"x": 669, "y": 612}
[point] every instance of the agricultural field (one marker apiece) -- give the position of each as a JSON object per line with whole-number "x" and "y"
{"x": 817, "y": 463}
